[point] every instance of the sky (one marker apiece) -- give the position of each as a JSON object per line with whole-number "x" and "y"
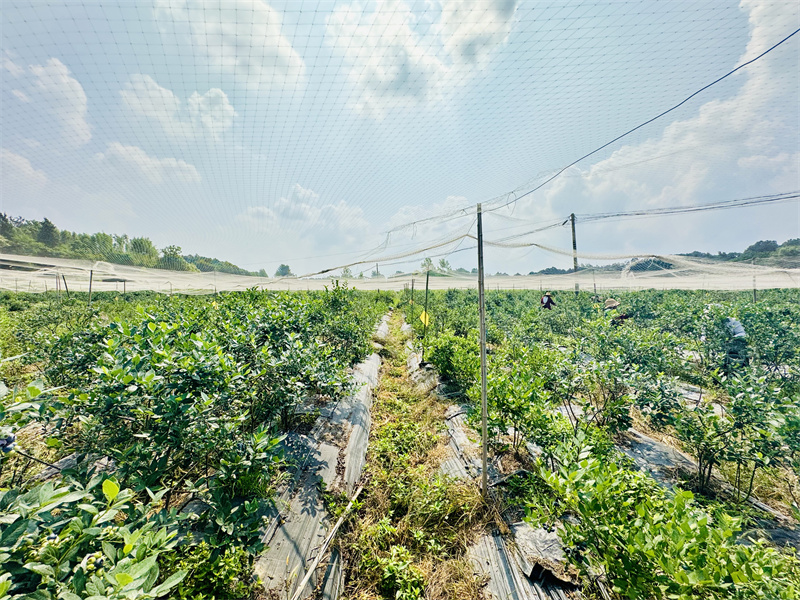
{"x": 313, "y": 133}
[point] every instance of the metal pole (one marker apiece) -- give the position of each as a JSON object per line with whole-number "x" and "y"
{"x": 65, "y": 285}
{"x": 574, "y": 252}
{"x": 482, "y": 312}
{"x": 412, "y": 301}
{"x": 425, "y": 322}
{"x": 124, "y": 286}
{"x": 91, "y": 277}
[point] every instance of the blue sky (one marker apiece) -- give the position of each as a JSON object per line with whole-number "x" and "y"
{"x": 301, "y": 132}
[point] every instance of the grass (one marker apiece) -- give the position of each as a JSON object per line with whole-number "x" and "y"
{"x": 410, "y": 536}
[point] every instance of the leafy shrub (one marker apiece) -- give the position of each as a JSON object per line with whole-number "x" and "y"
{"x": 651, "y": 544}
{"x": 68, "y": 541}
{"x": 456, "y": 359}
{"x": 226, "y": 575}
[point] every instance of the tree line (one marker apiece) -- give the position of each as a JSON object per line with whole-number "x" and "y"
{"x": 43, "y": 238}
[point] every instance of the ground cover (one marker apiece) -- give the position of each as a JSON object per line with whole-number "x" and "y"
{"x": 410, "y": 535}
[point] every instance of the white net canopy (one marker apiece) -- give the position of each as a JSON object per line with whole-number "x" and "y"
{"x": 341, "y": 137}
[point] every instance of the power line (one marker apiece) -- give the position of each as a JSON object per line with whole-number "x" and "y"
{"x": 658, "y": 116}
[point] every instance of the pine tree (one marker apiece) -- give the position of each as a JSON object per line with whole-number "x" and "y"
{"x": 48, "y": 234}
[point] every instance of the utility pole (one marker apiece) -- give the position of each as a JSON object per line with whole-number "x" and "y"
{"x": 482, "y": 313}
{"x": 574, "y": 252}
{"x": 91, "y": 278}
{"x": 412, "y": 301}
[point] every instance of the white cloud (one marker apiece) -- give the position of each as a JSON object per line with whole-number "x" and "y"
{"x": 153, "y": 169}
{"x": 210, "y": 113}
{"x": 53, "y": 86}
{"x": 19, "y": 174}
{"x": 302, "y": 219}
{"x": 472, "y": 30}
{"x": 393, "y": 64}
{"x": 242, "y": 38}
{"x": 9, "y": 65}
{"x": 146, "y": 98}
{"x": 389, "y": 60}
{"x": 728, "y": 149}
{"x": 21, "y": 96}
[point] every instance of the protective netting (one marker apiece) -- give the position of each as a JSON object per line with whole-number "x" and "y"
{"x": 31, "y": 274}
{"x": 336, "y": 135}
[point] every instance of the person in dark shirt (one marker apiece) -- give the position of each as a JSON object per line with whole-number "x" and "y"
{"x": 547, "y": 301}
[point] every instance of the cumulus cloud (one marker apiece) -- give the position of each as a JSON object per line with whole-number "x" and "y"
{"x": 210, "y": 113}
{"x": 52, "y": 89}
{"x": 389, "y": 59}
{"x": 153, "y": 169}
{"x": 242, "y": 38}
{"x": 302, "y": 215}
{"x": 730, "y": 148}
{"x": 472, "y": 30}
{"x": 393, "y": 64}
{"x": 19, "y": 174}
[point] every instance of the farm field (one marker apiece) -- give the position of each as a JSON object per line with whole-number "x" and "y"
{"x": 662, "y": 451}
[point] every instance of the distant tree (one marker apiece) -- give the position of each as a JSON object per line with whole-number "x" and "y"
{"x": 444, "y": 265}
{"x": 791, "y": 242}
{"x": 262, "y": 273}
{"x": 103, "y": 244}
{"x": 48, "y": 234}
{"x": 762, "y": 246}
{"x": 347, "y": 273}
{"x": 172, "y": 252}
{"x": 426, "y": 265}
{"x": 475, "y": 271}
{"x": 6, "y": 225}
{"x": 143, "y": 246}
{"x": 121, "y": 243}
{"x": 283, "y": 271}
{"x": 462, "y": 271}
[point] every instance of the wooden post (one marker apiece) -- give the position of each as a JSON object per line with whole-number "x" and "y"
{"x": 91, "y": 278}
{"x": 482, "y": 314}
{"x": 574, "y": 253}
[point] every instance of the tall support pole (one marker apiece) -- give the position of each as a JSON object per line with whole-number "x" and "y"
{"x": 66, "y": 288}
{"x": 425, "y": 322}
{"x": 412, "y": 301}
{"x": 574, "y": 252}
{"x": 91, "y": 278}
{"x": 482, "y": 312}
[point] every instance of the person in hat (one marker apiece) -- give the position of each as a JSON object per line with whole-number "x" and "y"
{"x": 547, "y": 301}
{"x": 616, "y": 320}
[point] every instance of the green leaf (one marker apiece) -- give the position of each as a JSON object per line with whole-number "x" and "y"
{"x": 123, "y": 578}
{"x": 110, "y": 489}
{"x": 170, "y": 583}
{"x": 40, "y": 569}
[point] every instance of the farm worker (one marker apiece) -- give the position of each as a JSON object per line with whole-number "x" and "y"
{"x": 616, "y": 320}
{"x": 547, "y": 301}
{"x": 736, "y": 350}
